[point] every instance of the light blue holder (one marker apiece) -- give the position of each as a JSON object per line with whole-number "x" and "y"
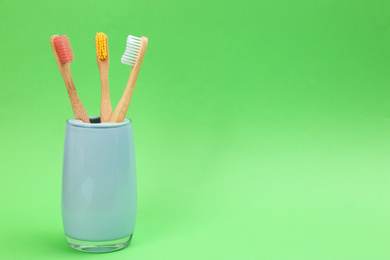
{"x": 99, "y": 192}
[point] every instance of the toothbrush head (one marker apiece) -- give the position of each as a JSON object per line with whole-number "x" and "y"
{"x": 101, "y": 46}
{"x": 63, "y": 49}
{"x": 133, "y": 48}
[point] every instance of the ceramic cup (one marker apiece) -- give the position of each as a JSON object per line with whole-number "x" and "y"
{"x": 99, "y": 192}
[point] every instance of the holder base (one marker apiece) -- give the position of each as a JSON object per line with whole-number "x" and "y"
{"x": 99, "y": 246}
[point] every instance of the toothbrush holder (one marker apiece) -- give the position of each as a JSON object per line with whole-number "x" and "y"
{"x": 99, "y": 191}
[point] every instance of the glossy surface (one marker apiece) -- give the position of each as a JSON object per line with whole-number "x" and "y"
{"x": 99, "y": 246}
{"x": 99, "y": 181}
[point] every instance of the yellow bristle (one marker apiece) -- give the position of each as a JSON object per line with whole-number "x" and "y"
{"x": 101, "y": 46}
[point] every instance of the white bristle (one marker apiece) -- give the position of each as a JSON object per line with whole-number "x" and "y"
{"x": 133, "y": 47}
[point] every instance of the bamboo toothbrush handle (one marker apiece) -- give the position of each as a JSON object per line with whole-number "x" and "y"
{"x": 105, "y": 105}
{"x": 121, "y": 109}
{"x": 77, "y": 107}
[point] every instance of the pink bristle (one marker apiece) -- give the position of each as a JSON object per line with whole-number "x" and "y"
{"x": 63, "y": 48}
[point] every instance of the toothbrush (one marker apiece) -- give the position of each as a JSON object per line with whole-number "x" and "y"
{"x": 133, "y": 56}
{"x": 64, "y": 55}
{"x": 102, "y": 59}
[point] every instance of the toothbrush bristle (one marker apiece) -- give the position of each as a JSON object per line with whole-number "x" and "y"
{"x": 133, "y": 47}
{"x": 63, "y": 48}
{"x": 101, "y": 46}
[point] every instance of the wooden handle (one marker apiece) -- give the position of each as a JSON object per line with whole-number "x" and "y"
{"x": 121, "y": 109}
{"x": 105, "y": 104}
{"x": 77, "y": 107}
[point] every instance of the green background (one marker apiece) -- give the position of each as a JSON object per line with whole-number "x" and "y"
{"x": 262, "y": 128}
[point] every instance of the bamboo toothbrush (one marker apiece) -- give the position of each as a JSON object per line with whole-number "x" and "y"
{"x": 102, "y": 59}
{"x": 64, "y": 55}
{"x": 133, "y": 56}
